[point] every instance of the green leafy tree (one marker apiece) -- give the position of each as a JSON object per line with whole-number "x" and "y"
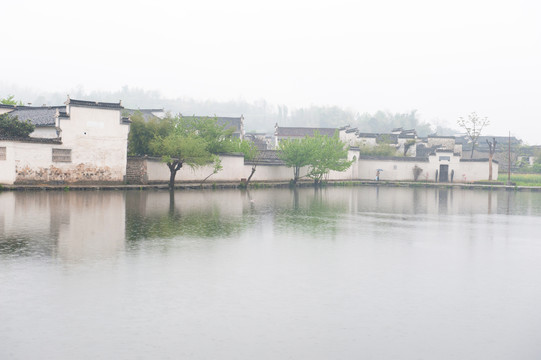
{"x": 10, "y": 126}
{"x": 143, "y": 132}
{"x": 179, "y": 149}
{"x": 319, "y": 153}
{"x": 328, "y": 153}
{"x": 10, "y": 100}
{"x": 217, "y": 137}
{"x": 382, "y": 148}
{"x": 296, "y": 153}
{"x": 473, "y": 126}
{"x": 194, "y": 141}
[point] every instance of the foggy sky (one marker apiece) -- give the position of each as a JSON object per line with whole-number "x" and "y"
{"x": 445, "y": 59}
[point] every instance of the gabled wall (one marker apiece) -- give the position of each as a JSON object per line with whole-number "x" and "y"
{"x": 93, "y": 149}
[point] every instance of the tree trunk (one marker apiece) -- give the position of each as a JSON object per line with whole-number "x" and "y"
{"x": 491, "y": 151}
{"x": 173, "y": 168}
{"x": 472, "y": 148}
{"x": 251, "y": 174}
{"x": 490, "y": 166}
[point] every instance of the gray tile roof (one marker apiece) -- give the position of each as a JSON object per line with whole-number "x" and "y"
{"x": 303, "y": 131}
{"x": 234, "y": 123}
{"x": 147, "y": 114}
{"x": 267, "y": 157}
{"x": 31, "y": 140}
{"x": 38, "y": 116}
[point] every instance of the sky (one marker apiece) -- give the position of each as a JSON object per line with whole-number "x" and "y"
{"x": 444, "y": 59}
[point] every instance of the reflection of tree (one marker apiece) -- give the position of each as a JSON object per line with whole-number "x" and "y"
{"x": 201, "y": 222}
{"x": 15, "y": 245}
{"x": 317, "y": 215}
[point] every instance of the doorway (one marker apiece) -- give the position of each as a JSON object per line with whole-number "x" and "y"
{"x": 444, "y": 173}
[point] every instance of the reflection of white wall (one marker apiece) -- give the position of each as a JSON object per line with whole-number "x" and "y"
{"x": 96, "y": 227}
{"x": 23, "y": 213}
{"x": 72, "y": 225}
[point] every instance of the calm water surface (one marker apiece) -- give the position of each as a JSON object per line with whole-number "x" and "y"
{"x": 339, "y": 273}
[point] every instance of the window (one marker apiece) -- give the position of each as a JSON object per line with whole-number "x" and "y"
{"x": 3, "y": 153}
{"x": 62, "y": 155}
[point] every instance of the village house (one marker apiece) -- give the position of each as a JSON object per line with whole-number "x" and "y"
{"x": 81, "y": 142}
{"x": 434, "y": 158}
{"x": 85, "y": 142}
{"x": 281, "y": 133}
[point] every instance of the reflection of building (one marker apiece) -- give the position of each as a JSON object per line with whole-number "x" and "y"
{"x": 81, "y": 142}
{"x": 67, "y": 225}
{"x": 94, "y": 226}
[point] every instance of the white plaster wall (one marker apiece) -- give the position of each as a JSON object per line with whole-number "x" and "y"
{"x": 234, "y": 170}
{"x": 362, "y": 169}
{"x": 44, "y": 132}
{"x": 453, "y": 163}
{"x": 98, "y": 143}
{"x": 476, "y": 171}
{"x": 392, "y": 169}
{"x": 272, "y": 173}
{"x": 232, "y": 167}
{"x": 97, "y": 139}
{"x": 4, "y": 110}
{"x": 26, "y": 157}
{"x": 7, "y": 167}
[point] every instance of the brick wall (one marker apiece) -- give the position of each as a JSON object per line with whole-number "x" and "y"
{"x": 136, "y": 170}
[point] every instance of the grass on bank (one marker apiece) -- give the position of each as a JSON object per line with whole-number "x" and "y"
{"x": 522, "y": 179}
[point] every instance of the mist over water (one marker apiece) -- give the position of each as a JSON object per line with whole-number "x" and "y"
{"x": 336, "y": 273}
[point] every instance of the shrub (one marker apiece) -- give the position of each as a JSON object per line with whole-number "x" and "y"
{"x": 11, "y": 126}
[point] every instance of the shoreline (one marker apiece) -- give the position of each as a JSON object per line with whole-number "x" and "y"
{"x": 260, "y": 185}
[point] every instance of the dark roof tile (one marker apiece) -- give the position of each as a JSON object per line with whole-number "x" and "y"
{"x": 304, "y": 131}
{"x": 97, "y": 104}
{"x": 39, "y": 116}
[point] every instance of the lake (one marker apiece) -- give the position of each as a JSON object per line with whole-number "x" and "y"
{"x": 335, "y": 273}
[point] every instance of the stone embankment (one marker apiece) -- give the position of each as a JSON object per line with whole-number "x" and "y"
{"x": 256, "y": 185}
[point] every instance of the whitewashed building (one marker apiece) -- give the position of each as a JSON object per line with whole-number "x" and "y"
{"x": 82, "y": 142}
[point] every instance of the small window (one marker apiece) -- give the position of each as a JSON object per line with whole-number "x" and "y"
{"x": 3, "y": 153}
{"x": 62, "y": 155}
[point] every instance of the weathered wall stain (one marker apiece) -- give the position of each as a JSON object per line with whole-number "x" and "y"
{"x": 82, "y": 173}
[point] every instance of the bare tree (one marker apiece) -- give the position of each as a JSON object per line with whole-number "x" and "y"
{"x": 491, "y": 151}
{"x": 473, "y": 126}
